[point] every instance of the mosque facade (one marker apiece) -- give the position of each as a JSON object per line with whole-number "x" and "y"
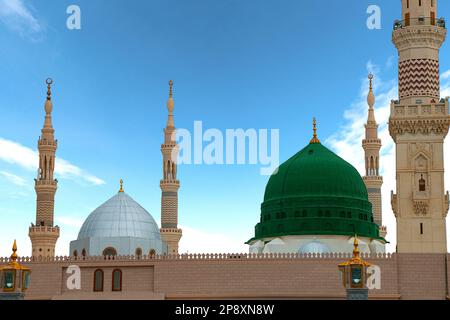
{"x": 314, "y": 205}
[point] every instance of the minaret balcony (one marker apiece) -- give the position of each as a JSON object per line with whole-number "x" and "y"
{"x": 46, "y": 183}
{"x": 419, "y": 110}
{"x": 44, "y": 230}
{"x": 373, "y": 178}
{"x": 421, "y": 21}
{"x": 171, "y": 230}
{"x": 419, "y": 36}
{"x": 376, "y": 142}
{"x": 169, "y": 145}
{"x": 170, "y": 181}
{"x": 45, "y": 142}
{"x": 169, "y": 185}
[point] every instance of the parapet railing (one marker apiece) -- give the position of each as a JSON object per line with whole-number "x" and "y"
{"x": 440, "y": 108}
{"x": 202, "y": 256}
{"x": 426, "y": 21}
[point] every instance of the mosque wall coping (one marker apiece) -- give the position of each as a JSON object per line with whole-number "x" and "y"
{"x": 203, "y": 256}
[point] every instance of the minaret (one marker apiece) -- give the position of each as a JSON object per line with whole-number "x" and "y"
{"x": 44, "y": 234}
{"x": 371, "y": 145}
{"x": 418, "y": 123}
{"x": 170, "y": 233}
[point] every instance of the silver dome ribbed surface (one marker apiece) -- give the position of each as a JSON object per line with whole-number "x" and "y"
{"x": 120, "y": 216}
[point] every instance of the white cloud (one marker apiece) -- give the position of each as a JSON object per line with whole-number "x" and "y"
{"x": 346, "y": 142}
{"x": 15, "y": 153}
{"x": 197, "y": 241}
{"x": 19, "y": 181}
{"x": 445, "y": 75}
{"x": 69, "y": 171}
{"x": 18, "y": 17}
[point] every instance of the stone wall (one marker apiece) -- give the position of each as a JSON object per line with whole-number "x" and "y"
{"x": 422, "y": 276}
{"x": 273, "y": 276}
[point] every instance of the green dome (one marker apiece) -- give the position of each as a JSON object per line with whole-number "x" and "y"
{"x": 316, "y": 192}
{"x": 316, "y": 171}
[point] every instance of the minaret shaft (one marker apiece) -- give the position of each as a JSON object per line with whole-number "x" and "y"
{"x": 170, "y": 232}
{"x": 418, "y": 37}
{"x": 371, "y": 145}
{"x": 44, "y": 234}
{"x": 418, "y": 123}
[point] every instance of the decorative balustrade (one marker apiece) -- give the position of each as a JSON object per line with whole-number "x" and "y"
{"x": 46, "y": 182}
{"x": 425, "y": 21}
{"x": 44, "y": 229}
{"x": 169, "y": 230}
{"x": 371, "y": 141}
{"x": 373, "y": 178}
{"x": 420, "y": 110}
{"x": 200, "y": 256}
{"x": 45, "y": 142}
{"x": 169, "y": 181}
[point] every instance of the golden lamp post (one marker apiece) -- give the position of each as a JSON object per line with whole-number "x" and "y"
{"x": 354, "y": 275}
{"x": 14, "y": 278}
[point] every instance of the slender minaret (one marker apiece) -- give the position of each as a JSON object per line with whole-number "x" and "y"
{"x": 371, "y": 145}
{"x": 170, "y": 233}
{"x": 44, "y": 234}
{"x": 418, "y": 123}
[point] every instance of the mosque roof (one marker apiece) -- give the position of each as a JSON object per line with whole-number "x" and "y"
{"x": 316, "y": 192}
{"x": 315, "y": 171}
{"x": 120, "y": 216}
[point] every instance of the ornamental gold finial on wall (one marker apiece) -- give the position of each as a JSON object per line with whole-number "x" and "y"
{"x": 314, "y": 139}
{"x": 14, "y": 254}
{"x": 356, "y": 259}
{"x": 355, "y": 248}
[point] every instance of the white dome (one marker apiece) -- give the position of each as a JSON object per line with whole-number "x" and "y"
{"x": 314, "y": 247}
{"x": 120, "y": 216}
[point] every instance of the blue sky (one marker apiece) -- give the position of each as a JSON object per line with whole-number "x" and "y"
{"x": 236, "y": 64}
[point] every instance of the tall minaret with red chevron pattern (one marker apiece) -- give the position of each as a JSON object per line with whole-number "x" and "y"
{"x": 418, "y": 123}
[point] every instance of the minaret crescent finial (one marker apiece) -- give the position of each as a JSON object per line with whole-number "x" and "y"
{"x": 49, "y": 82}
{"x": 370, "y": 95}
{"x": 170, "y": 88}
{"x": 314, "y": 138}
{"x": 48, "y": 102}
{"x": 170, "y": 103}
